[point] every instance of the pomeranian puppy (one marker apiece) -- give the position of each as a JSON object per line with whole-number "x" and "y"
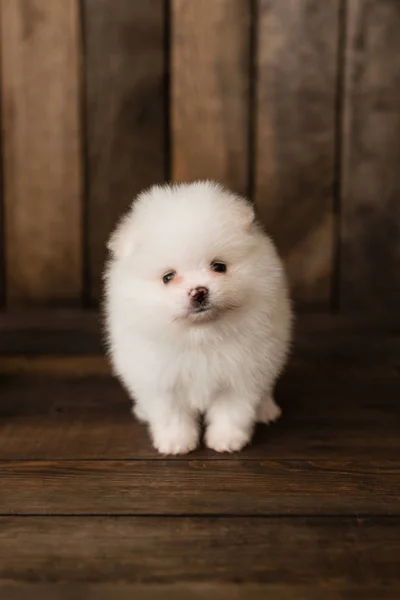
{"x": 198, "y": 316}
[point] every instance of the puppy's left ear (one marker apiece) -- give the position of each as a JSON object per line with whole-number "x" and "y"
{"x": 247, "y": 214}
{"x": 122, "y": 241}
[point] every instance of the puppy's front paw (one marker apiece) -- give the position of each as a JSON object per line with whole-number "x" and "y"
{"x": 226, "y": 439}
{"x": 175, "y": 439}
{"x": 268, "y": 411}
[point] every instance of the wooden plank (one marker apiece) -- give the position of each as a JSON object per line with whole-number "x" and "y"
{"x": 284, "y": 554}
{"x": 51, "y": 366}
{"x": 371, "y": 156}
{"x": 52, "y": 343}
{"x": 378, "y": 355}
{"x": 324, "y": 417}
{"x": 295, "y": 138}
{"x": 176, "y": 487}
{"x": 327, "y": 337}
{"x": 196, "y": 591}
{"x": 125, "y": 112}
{"x": 209, "y": 91}
{"x": 314, "y": 323}
{"x": 300, "y": 364}
{"x": 344, "y": 340}
{"x": 42, "y": 146}
{"x": 54, "y": 332}
{"x": 2, "y": 230}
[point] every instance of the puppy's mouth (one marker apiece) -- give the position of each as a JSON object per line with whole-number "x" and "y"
{"x": 201, "y": 309}
{"x": 204, "y": 312}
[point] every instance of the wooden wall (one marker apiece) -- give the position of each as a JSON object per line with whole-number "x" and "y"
{"x": 293, "y": 102}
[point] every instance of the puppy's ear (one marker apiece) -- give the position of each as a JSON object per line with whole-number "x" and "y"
{"x": 247, "y": 213}
{"x": 122, "y": 241}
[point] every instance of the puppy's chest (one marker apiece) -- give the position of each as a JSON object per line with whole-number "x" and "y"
{"x": 199, "y": 376}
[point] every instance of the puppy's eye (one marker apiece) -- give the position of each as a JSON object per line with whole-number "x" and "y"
{"x": 218, "y": 266}
{"x": 168, "y": 277}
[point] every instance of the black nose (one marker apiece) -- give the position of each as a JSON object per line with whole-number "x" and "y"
{"x": 199, "y": 295}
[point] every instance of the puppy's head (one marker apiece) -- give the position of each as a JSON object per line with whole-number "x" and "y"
{"x": 186, "y": 252}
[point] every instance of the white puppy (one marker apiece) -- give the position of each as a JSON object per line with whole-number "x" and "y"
{"x": 198, "y": 316}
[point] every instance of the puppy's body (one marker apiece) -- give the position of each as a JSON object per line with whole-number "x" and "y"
{"x": 212, "y": 337}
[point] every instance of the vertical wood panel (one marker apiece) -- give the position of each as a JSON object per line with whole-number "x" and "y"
{"x": 2, "y": 257}
{"x": 2, "y": 229}
{"x": 370, "y": 265}
{"x": 125, "y": 111}
{"x": 42, "y": 175}
{"x": 297, "y": 51}
{"x": 209, "y": 98}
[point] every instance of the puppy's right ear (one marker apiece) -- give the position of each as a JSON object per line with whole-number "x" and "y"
{"x": 121, "y": 243}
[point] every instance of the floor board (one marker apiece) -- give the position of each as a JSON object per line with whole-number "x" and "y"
{"x": 175, "y": 487}
{"x": 287, "y": 551}
{"x": 198, "y": 591}
{"x": 310, "y": 510}
{"x": 88, "y": 417}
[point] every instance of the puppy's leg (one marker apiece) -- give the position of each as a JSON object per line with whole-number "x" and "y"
{"x": 174, "y": 429}
{"x": 139, "y": 412}
{"x": 138, "y": 409}
{"x": 268, "y": 411}
{"x": 230, "y": 422}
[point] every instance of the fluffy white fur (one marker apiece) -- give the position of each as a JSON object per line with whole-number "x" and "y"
{"x": 178, "y": 364}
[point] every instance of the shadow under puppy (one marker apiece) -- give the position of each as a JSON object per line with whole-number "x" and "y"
{"x": 198, "y": 316}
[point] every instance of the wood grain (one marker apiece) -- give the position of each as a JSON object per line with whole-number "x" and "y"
{"x": 42, "y": 150}
{"x": 338, "y": 347}
{"x": 295, "y": 138}
{"x": 210, "y": 48}
{"x": 340, "y": 389}
{"x": 89, "y": 510}
{"x": 324, "y": 554}
{"x": 125, "y": 113}
{"x": 370, "y": 251}
{"x": 198, "y": 591}
{"x": 329, "y": 338}
{"x": 88, "y": 417}
{"x": 2, "y": 229}
{"x": 51, "y": 366}
{"x": 177, "y": 487}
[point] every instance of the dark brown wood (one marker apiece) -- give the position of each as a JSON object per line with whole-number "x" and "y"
{"x": 341, "y": 388}
{"x": 295, "y": 138}
{"x": 328, "y": 338}
{"x": 55, "y": 366}
{"x": 281, "y": 553}
{"x": 197, "y": 591}
{"x": 42, "y": 151}
{"x": 125, "y": 113}
{"x": 189, "y": 591}
{"x": 175, "y": 487}
{"x": 2, "y": 242}
{"x": 210, "y": 48}
{"x": 50, "y": 333}
{"x": 326, "y": 415}
{"x": 375, "y": 352}
{"x": 371, "y": 156}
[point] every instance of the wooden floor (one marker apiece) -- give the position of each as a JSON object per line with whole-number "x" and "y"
{"x": 88, "y": 510}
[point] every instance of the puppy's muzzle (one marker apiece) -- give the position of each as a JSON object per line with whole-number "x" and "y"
{"x": 199, "y": 298}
